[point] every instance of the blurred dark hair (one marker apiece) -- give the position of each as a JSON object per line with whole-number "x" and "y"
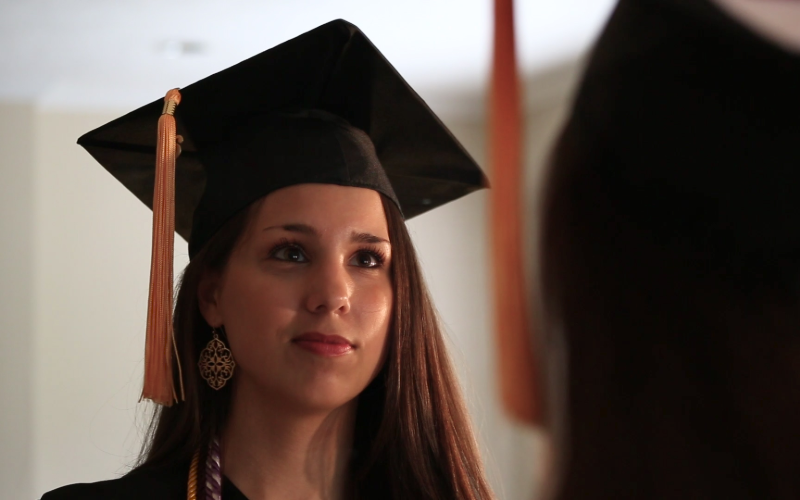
{"x": 683, "y": 346}
{"x": 413, "y": 436}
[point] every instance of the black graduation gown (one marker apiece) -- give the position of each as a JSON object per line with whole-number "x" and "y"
{"x": 164, "y": 483}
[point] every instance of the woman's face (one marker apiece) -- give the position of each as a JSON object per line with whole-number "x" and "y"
{"x": 306, "y": 296}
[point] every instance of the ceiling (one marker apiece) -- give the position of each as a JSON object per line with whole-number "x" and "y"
{"x": 120, "y": 54}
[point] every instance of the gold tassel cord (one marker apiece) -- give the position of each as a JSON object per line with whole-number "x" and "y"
{"x": 160, "y": 342}
{"x": 191, "y": 488}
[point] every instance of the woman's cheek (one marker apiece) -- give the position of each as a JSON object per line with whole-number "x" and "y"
{"x": 255, "y": 300}
{"x": 375, "y": 308}
{"x": 264, "y": 286}
{"x": 377, "y": 316}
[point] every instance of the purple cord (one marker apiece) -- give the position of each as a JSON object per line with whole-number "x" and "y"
{"x": 214, "y": 471}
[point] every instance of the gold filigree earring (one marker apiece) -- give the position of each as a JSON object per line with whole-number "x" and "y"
{"x": 216, "y": 363}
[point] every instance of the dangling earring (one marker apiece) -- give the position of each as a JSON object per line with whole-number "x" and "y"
{"x": 216, "y": 363}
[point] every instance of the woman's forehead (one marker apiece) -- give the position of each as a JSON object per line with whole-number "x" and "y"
{"x": 325, "y": 208}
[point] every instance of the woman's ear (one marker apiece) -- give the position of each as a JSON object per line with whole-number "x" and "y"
{"x": 208, "y": 299}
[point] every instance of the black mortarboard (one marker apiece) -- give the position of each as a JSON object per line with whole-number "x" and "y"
{"x": 309, "y": 110}
{"x": 325, "y": 107}
{"x": 696, "y": 120}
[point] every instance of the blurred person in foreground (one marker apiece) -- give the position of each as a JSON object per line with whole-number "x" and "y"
{"x": 671, "y": 261}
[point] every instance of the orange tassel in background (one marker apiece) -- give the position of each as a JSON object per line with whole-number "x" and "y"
{"x": 160, "y": 341}
{"x": 518, "y": 368}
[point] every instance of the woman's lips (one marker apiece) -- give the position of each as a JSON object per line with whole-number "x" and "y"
{"x": 323, "y": 345}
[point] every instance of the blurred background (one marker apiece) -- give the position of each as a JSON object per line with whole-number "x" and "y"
{"x": 75, "y": 244}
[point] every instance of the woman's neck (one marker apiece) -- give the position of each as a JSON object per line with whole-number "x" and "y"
{"x": 273, "y": 453}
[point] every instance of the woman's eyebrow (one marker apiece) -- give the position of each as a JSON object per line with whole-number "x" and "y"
{"x": 294, "y": 228}
{"x": 356, "y": 237}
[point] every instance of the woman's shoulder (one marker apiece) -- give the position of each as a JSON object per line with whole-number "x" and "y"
{"x": 154, "y": 483}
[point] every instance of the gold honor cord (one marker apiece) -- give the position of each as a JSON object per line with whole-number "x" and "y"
{"x": 191, "y": 492}
{"x": 212, "y": 488}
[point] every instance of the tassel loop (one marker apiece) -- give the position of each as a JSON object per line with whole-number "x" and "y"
{"x": 160, "y": 344}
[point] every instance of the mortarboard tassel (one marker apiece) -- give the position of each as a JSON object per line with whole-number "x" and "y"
{"x": 159, "y": 385}
{"x": 520, "y": 387}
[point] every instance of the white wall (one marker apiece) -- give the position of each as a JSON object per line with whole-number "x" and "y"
{"x": 16, "y": 299}
{"x": 92, "y": 261}
{"x": 74, "y": 288}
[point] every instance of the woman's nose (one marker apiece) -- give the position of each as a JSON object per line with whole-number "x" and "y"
{"x": 329, "y": 289}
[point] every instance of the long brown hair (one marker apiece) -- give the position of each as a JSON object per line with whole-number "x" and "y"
{"x": 682, "y": 344}
{"x": 413, "y": 436}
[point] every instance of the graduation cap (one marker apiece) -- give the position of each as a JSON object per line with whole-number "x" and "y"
{"x": 325, "y": 107}
{"x": 696, "y": 122}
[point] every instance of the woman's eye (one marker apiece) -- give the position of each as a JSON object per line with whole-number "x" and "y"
{"x": 290, "y": 254}
{"x": 366, "y": 259}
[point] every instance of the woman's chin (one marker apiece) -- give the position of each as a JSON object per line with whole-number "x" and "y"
{"x": 323, "y": 397}
{"x": 309, "y": 404}
{"x": 317, "y": 395}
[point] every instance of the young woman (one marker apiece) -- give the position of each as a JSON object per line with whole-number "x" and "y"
{"x": 671, "y": 260}
{"x": 307, "y": 361}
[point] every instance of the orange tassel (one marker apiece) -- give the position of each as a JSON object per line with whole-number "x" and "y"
{"x": 160, "y": 345}
{"x": 518, "y": 363}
